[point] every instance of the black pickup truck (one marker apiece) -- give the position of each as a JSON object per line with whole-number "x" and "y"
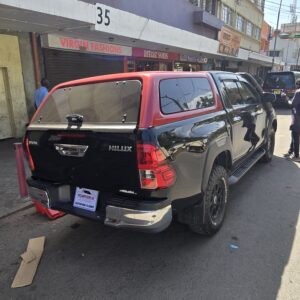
{"x": 136, "y": 150}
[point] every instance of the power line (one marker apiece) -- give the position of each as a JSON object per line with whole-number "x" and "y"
{"x": 283, "y": 5}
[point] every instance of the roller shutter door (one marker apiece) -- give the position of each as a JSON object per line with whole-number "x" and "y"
{"x": 63, "y": 66}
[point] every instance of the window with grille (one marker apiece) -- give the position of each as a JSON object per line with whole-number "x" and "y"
{"x": 226, "y": 15}
{"x": 257, "y": 33}
{"x": 239, "y": 23}
{"x": 206, "y": 5}
{"x": 249, "y": 29}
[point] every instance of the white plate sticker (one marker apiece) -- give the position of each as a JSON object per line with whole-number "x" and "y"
{"x": 86, "y": 199}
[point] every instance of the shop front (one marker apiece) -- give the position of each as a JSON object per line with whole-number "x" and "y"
{"x": 151, "y": 60}
{"x": 68, "y": 58}
{"x": 190, "y": 63}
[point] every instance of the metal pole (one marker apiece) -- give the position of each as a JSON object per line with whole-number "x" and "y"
{"x": 276, "y": 34}
{"x": 35, "y": 52}
{"x": 21, "y": 170}
{"x": 297, "y": 59}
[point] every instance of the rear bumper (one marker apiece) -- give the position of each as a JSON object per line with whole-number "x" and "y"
{"x": 150, "y": 221}
{"x": 144, "y": 217}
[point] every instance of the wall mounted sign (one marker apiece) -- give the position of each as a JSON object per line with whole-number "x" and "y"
{"x": 153, "y": 54}
{"x": 195, "y": 59}
{"x": 76, "y": 44}
{"x": 229, "y": 42}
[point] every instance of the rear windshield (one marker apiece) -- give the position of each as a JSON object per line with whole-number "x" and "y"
{"x": 106, "y": 102}
{"x": 279, "y": 81}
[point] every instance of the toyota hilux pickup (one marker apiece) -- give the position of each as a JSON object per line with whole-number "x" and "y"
{"x": 137, "y": 150}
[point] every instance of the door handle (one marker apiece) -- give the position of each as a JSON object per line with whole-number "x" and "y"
{"x": 71, "y": 150}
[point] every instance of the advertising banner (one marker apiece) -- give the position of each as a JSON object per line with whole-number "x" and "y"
{"x": 229, "y": 42}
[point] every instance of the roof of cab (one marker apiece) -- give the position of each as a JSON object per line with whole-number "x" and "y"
{"x": 131, "y": 75}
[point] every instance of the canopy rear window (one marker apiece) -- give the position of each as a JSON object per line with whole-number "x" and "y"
{"x": 105, "y": 103}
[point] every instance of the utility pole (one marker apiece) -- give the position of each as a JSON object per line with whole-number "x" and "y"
{"x": 276, "y": 34}
{"x": 297, "y": 59}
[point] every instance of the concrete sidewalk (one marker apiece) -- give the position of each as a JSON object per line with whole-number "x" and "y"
{"x": 10, "y": 200}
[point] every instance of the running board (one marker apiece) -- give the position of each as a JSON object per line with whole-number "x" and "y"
{"x": 246, "y": 166}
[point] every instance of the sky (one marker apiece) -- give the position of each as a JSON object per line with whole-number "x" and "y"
{"x": 271, "y": 12}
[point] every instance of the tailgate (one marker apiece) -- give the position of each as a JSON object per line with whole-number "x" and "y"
{"x": 96, "y": 160}
{"x": 85, "y": 135}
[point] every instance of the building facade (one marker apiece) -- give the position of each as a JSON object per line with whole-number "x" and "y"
{"x": 265, "y": 38}
{"x": 75, "y": 39}
{"x": 287, "y": 46}
{"x": 246, "y": 18}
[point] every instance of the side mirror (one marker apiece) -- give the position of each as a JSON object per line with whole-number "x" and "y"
{"x": 268, "y": 97}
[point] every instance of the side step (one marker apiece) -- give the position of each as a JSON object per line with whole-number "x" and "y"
{"x": 246, "y": 166}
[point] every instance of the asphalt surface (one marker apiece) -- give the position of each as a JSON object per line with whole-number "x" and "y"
{"x": 250, "y": 258}
{"x": 10, "y": 200}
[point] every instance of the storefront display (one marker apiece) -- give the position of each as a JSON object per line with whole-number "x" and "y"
{"x": 151, "y": 60}
{"x": 190, "y": 63}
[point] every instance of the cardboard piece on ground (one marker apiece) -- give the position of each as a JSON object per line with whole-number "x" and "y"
{"x": 29, "y": 265}
{"x": 28, "y": 256}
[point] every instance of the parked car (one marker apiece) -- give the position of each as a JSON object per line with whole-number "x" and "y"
{"x": 283, "y": 85}
{"x": 134, "y": 150}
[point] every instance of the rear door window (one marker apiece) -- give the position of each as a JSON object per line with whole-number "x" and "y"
{"x": 248, "y": 96}
{"x": 184, "y": 94}
{"x": 105, "y": 102}
{"x": 233, "y": 93}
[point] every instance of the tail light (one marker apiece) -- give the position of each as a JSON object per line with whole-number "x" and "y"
{"x": 27, "y": 153}
{"x": 154, "y": 170}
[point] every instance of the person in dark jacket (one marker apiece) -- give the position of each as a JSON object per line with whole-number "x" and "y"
{"x": 293, "y": 152}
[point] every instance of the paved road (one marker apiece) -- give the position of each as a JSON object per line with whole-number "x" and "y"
{"x": 10, "y": 200}
{"x": 85, "y": 260}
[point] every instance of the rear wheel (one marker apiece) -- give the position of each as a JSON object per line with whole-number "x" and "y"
{"x": 215, "y": 202}
{"x": 269, "y": 146}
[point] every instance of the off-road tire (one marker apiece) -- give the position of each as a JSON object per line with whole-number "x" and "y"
{"x": 269, "y": 146}
{"x": 217, "y": 187}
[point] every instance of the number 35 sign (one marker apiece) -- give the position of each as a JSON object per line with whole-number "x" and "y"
{"x": 103, "y": 15}
{"x": 115, "y": 21}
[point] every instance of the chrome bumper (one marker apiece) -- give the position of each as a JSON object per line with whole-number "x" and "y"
{"x": 119, "y": 217}
{"x": 39, "y": 195}
{"x": 148, "y": 221}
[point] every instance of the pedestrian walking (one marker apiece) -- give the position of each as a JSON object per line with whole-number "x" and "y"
{"x": 41, "y": 92}
{"x": 293, "y": 152}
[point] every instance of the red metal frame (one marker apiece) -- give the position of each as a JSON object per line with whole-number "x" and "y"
{"x": 150, "y": 113}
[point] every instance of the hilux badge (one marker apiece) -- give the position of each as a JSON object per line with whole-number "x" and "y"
{"x": 117, "y": 148}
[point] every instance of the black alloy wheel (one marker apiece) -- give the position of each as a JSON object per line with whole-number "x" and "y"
{"x": 269, "y": 146}
{"x": 218, "y": 202}
{"x": 214, "y": 202}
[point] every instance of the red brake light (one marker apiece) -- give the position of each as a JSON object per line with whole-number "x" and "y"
{"x": 154, "y": 170}
{"x": 28, "y": 154}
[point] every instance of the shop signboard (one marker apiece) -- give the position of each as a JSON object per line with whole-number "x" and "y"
{"x": 194, "y": 59}
{"x": 77, "y": 44}
{"x": 153, "y": 54}
{"x": 229, "y": 42}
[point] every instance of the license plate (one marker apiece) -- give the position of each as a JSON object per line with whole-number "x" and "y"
{"x": 86, "y": 199}
{"x": 277, "y": 92}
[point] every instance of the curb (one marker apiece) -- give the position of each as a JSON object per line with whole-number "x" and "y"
{"x": 22, "y": 207}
